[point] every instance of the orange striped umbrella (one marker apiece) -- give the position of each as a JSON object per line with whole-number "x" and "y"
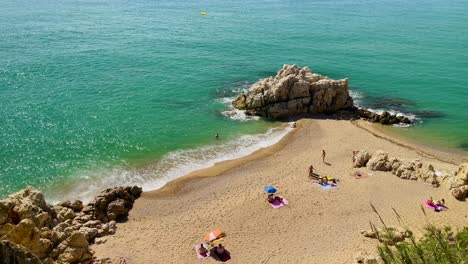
{"x": 215, "y": 234}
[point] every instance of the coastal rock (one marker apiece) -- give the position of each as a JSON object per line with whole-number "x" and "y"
{"x": 293, "y": 91}
{"x": 75, "y": 205}
{"x": 75, "y": 248}
{"x": 384, "y": 118}
{"x": 113, "y": 203}
{"x": 61, "y": 233}
{"x": 361, "y": 158}
{"x": 12, "y": 253}
{"x": 296, "y": 90}
{"x": 64, "y": 213}
{"x": 379, "y": 162}
{"x": 388, "y": 235}
{"x": 459, "y": 183}
{"x": 27, "y": 235}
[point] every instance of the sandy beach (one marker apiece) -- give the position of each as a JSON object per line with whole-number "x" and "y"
{"x": 318, "y": 226}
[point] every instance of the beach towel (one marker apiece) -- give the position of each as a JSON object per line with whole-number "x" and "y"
{"x": 434, "y": 207}
{"x": 199, "y": 256}
{"x": 277, "y": 204}
{"x": 326, "y": 187}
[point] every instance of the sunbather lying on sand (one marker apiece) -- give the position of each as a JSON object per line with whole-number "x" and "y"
{"x": 272, "y": 198}
{"x": 326, "y": 181}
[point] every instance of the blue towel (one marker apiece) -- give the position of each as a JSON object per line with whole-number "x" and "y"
{"x": 327, "y": 187}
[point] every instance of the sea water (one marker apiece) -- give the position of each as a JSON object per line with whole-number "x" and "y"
{"x": 98, "y": 93}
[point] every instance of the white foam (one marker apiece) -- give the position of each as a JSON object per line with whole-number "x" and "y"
{"x": 233, "y": 113}
{"x": 86, "y": 184}
{"x": 357, "y": 96}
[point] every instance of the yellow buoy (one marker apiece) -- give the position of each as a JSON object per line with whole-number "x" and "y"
{"x": 203, "y": 13}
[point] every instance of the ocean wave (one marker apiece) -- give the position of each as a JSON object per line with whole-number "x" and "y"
{"x": 86, "y": 184}
{"x": 357, "y": 97}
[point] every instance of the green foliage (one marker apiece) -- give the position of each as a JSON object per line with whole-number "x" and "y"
{"x": 437, "y": 246}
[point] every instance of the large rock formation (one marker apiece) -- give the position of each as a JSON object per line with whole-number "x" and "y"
{"x": 458, "y": 185}
{"x": 415, "y": 170}
{"x": 293, "y": 91}
{"x": 60, "y": 233}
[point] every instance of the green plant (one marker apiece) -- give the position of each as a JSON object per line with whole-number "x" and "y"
{"x": 437, "y": 245}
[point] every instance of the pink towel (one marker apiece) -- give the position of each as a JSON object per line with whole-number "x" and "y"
{"x": 277, "y": 204}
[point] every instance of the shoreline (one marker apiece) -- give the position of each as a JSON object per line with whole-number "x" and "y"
{"x": 172, "y": 187}
{"x": 229, "y": 196}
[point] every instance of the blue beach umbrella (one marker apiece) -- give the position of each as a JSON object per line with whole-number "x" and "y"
{"x": 270, "y": 189}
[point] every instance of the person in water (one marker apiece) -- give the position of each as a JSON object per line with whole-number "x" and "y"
{"x": 216, "y": 135}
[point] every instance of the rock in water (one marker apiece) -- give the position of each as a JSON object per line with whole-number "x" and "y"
{"x": 293, "y": 91}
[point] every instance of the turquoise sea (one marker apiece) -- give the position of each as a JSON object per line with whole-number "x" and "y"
{"x": 95, "y": 93}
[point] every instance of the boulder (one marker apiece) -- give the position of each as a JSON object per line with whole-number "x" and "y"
{"x": 73, "y": 249}
{"x": 75, "y": 205}
{"x": 379, "y": 162}
{"x": 27, "y": 235}
{"x": 361, "y": 158}
{"x": 64, "y": 213}
{"x": 116, "y": 209}
{"x": 11, "y": 253}
{"x": 6, "y": 207}
{"x": 458, "y": 183}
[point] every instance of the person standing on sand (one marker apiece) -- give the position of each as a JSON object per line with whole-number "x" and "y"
{"x": 324, "y": 154}
{"x": 311, "y": 171}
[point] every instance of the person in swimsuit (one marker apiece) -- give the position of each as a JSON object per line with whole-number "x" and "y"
{"x": 202, "y": 250}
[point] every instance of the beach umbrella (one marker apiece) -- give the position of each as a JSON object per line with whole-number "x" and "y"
{"x": 270, "y": 189}
{"x": 213, "y": 235}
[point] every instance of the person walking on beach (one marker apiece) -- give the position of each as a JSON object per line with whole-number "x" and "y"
{"x": 324, "y": 154}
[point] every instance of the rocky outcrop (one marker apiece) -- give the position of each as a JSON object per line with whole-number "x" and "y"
{"x": 415, "y": 170}
{"x": 60, "y": 233}
{"x": 293, "y": 91}
{"x": 384, "y": 118}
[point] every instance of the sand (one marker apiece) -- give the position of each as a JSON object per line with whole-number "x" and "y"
{"x": 318, "y": 226}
